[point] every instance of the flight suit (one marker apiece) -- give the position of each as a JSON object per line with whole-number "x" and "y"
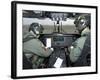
{"x": 32, "y": 45}
{"x": 77, "y": 46}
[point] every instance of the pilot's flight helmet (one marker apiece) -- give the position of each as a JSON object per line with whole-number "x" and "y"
{"x": 82, "y": 22}
{"x": 36, "y": 28}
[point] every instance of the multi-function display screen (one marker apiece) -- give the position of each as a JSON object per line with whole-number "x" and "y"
{"x": 58, "y": 38}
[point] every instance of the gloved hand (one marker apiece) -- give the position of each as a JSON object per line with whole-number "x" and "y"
{"x": 44, "y": 47}
{"x": 49, "y": 48}
{"x": 74, "y": 44}
{"x": 70, "y": 48}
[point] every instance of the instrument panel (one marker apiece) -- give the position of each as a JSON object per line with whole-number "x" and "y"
{"x": 62, "y": 40}
{"x": 59, "y": 40}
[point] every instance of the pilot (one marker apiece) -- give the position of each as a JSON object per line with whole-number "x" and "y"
{"x": 82, "y": 24}
{"x": 33, "y": 48}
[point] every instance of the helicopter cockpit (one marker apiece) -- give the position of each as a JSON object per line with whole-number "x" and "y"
{"x": 59, "y": 32}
